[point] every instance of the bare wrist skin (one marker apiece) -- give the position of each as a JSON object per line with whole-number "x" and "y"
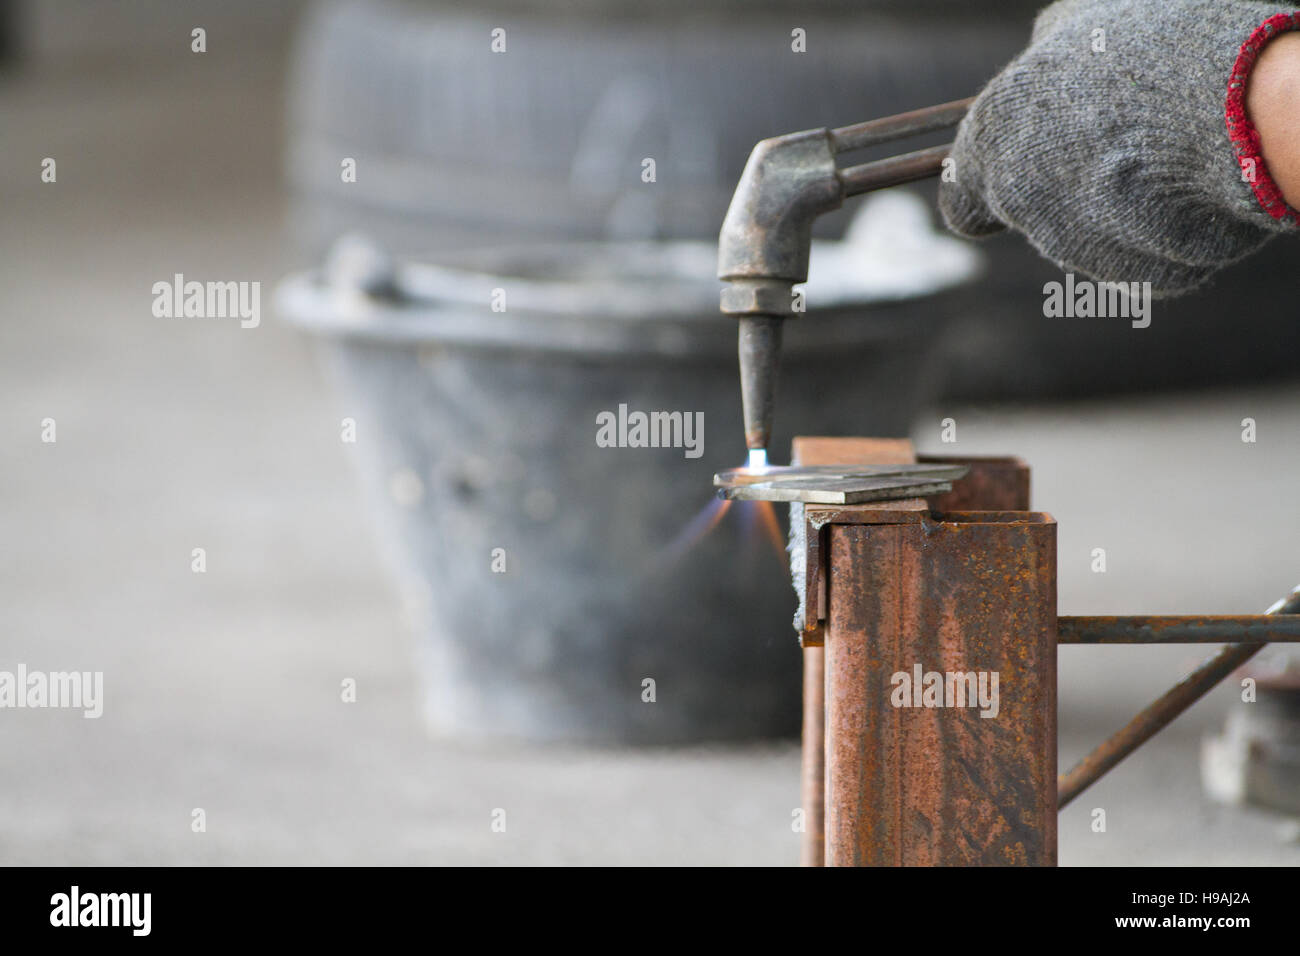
{"x": 1273, "y": 105}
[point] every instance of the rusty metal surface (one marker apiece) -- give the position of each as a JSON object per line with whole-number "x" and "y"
{"x": 819, "y": 519}
{"x": 1180, "y": 629}
{"x": 840, "y": 450}
{"x": 812, "y": 450}
{"x": 1159, "y": 715}
{"x": 962, "y": 586}
{"x": 991, "y": 484}
{"x": 941, "y": 785}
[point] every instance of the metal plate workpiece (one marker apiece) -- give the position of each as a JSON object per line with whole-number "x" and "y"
{"x": 837, "y": 484}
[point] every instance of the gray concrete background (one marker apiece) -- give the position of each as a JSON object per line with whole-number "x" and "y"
{"x": 223, "y": 688}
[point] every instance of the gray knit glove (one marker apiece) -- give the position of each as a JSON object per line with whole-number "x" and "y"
{"x": 1109, "y": 145}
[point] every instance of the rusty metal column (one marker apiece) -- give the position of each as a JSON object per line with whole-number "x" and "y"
{"x": 923, "y": 615}
{"x": 828, "y": 451}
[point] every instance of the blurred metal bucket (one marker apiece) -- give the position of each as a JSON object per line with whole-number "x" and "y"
{"x": 550, "y": 578}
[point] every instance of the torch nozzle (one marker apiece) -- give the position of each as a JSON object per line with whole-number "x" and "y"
{"x": 760, "y": 358}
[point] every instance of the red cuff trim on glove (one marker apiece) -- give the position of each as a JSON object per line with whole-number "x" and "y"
{"x": 1242, "y": 132}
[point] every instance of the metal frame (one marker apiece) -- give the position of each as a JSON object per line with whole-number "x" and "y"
{"x": 965, "y": 580}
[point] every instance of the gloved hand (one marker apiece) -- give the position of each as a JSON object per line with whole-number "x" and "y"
{"x": 1107, "y": 142}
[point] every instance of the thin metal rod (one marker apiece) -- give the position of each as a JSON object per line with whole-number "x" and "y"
{"x": 812, "y": 850}
{"x": 1160, "y": 714}
{"x": 894, "y": 171}
{"x": 901, "y": 126}
{"x": 1206, "y": 629}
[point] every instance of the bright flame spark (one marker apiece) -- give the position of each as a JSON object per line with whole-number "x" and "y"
{"x": 714, "y": 512}
{"x": 757, "y": 459}
{"x": 695, "y": 531}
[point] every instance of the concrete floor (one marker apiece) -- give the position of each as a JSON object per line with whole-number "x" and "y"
{"x": 223, "y": 688}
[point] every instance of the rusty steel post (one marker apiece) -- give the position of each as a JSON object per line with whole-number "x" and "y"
{"x": 993, "y": 484}
{"x": 915, "y": 775}
{"x": 828, "y": 451}
{"x": 961, "y": 586}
